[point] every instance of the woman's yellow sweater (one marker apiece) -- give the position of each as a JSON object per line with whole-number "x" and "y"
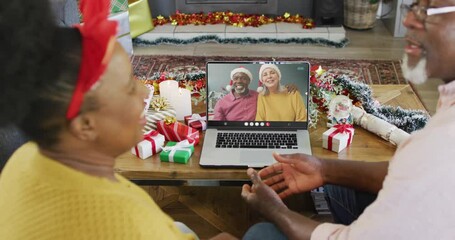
{"x": 43, "y": 199}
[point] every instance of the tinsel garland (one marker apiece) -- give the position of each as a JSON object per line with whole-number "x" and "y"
{"x": 230, "y": 18}
{"x": 247, "y": 40}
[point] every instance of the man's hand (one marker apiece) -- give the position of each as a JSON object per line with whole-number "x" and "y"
{"x": 292, "y": 88}
{"x": 294, "y": 173}
{"x": 261, "y": 197}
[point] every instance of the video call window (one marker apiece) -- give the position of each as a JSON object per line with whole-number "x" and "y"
{"x": 258, "y": 91}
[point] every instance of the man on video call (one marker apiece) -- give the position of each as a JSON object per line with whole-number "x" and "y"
{"x": 240, "y": 103}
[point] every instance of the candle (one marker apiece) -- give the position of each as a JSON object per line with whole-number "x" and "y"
{"x": 168, "y": 89}
{"x": 182, "y": 103}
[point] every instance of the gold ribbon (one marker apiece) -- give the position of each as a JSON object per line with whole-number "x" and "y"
{"x": 169, "y": 120}
{"x": 159, "y": 104}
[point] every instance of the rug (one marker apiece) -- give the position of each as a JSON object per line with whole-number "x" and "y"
{"x": 366, "y": 71}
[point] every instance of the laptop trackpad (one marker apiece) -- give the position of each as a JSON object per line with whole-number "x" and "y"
{"x": 256, "y": 158}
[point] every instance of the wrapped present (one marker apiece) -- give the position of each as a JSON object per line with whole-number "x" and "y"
{"x": 140, "y": 17}
{"x": 176, "y": 132}
{"x": 123, "y": 34}
{"x": 178, "y": 152}
{"x": 198, "y": 121}
{"x": 159, "y": 110}
{"x": 338, "y": 137}
{"x": 119, "y": 6}
{"x": 152, "y": 144}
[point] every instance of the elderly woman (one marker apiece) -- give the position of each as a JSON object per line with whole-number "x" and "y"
{"x": 72, "y": 92}
{"x": 274, "y": 102}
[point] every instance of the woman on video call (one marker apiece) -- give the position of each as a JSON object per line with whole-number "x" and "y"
{"x": 274, "y": 102}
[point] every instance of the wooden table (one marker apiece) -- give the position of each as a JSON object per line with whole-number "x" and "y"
{"x": 365, "y": 146}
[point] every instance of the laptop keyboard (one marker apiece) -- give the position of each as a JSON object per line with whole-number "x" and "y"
{"x": 256, "y": 140}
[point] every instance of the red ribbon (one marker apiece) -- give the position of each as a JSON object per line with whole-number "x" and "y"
{"x": 340, "y": 128}
{"x": 149, "y": 137}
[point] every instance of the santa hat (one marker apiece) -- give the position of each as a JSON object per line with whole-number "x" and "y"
{"x": 238, "y": 70}
{"x": 263, "y": 67}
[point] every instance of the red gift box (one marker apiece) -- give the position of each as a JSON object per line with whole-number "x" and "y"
{"x": 198, "y": 121}
{"x": 176, "y": 132}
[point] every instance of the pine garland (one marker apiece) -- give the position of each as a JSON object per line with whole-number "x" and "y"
{"x": 247, "y": 40}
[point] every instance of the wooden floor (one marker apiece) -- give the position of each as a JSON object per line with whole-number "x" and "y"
{"x": 196, "y": 206}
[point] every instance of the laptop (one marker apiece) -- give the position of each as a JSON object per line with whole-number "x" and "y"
{"x": 245, "y": 127}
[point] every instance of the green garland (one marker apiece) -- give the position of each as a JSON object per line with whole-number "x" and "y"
{"x": 247, "y": 40}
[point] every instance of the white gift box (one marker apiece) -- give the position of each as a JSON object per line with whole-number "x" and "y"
{"x": 337, "y": 141}
{"x": 153, "y": 143}
{"x": 123, "y": 34}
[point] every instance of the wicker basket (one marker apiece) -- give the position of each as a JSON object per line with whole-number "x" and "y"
{"x": 360, "y": 14}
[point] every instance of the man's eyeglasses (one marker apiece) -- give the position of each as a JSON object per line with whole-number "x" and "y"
{"x": 422, "y": 12}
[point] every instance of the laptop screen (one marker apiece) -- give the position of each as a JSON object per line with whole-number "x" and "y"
{"x": 258, "y": 95}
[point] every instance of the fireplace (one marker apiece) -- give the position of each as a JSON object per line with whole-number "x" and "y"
{"x": 243, "y": 6}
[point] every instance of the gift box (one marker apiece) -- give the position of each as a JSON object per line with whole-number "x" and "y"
{"x": 159, "y": 110}
{"x": 338, "y": 137}
{"x": 178, "y": 152}
{"x": 140, "y": 17}
{"x": 198, "y": 121}
{"x": 119, "y": 6}
{"x": 176, "y": 131}
{"x": 152, "y": 144}
{"x": 123, "y": 34}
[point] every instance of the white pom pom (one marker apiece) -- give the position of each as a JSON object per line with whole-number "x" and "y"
{"x": 228, "y": 88}
{"x": 260, "y": 89}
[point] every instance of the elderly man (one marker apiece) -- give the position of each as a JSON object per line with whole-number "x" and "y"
{"x": 240, "y": 103}
{"x": 417, "y": 186}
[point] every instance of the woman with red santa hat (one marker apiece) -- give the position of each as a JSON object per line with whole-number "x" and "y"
{"x": 274, "y": 102}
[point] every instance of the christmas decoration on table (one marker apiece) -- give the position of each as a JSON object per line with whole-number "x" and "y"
{"x": 159, "y": 109}
{"x": 339, "y": 111}
{"x": 378, "y": 126}
{"x": 325, "y": 85}
{"x": 176, "y": 131}
{"x": 198, "y": 121}
{"x": 152, "y": 144}
{"x": 194, "y": 81}
{"x": 178, "y": 152}
{"x": 338, "y": 137}
{"x": 149, "y": 98}
{"x": 230, "y": 18}
{"x": 179, "y": 98}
